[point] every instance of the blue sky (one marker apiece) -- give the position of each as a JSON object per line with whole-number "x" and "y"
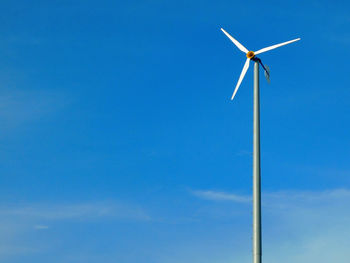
{"x": 119, "y": 142}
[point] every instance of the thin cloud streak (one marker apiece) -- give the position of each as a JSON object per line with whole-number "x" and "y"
{"x": 82, "y": 211}
{"x": 40, "y": 227}
{"x": 23, "y": 106}
{"x": 276, "y": 198}
{"x": 20, "y": 224}
{"x": 221, "y": 196}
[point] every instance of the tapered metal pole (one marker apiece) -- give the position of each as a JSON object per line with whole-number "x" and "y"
{"x": 256, "y": 171}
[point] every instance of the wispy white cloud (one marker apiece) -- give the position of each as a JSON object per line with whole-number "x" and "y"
{"x": 20, "y": 106}
{"x": 82, "y": 211}
{"x": 10, "y": 250}
{"x": 221, "y": 196}
{"x": 280, "y": 198}
{"x": 40, "y": 227}
{"x": 298, "y": 226}
{"x": 19, "y": 224}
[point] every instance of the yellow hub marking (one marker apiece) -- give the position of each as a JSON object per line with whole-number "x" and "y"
{"x": 250, "y": 54}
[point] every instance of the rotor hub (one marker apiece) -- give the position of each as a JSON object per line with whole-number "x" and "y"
{"x": 250, "y": 54}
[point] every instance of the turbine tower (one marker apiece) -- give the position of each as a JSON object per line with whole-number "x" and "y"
{"x": 251, "y": 55}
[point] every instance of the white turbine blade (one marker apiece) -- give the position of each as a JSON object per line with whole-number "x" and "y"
{"x": 275, "y": 46}
{"x": 244, "y": 70}
{"x": 239, "y": 45}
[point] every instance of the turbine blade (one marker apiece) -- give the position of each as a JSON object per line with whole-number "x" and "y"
{"x": 266, "y": 71}
{"x": 275, "y": 46}
{"x": 267, "y": 74}
{"x": 244, "y": 70}
{"x": 239, "y": 45}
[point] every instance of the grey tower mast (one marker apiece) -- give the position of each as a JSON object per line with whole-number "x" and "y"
{"x": 256, "y": 170}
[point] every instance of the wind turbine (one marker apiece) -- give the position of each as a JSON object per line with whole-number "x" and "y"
{"x": 251, "y": 55}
